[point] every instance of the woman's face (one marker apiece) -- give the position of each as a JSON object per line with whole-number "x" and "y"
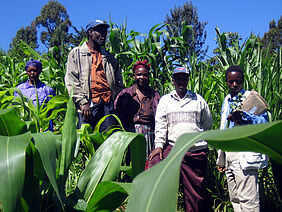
{"x": 33, "y": 73}
{"x": 141, "y": 77}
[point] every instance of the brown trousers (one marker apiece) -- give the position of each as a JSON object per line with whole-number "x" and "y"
{"x": 192, "y": 172}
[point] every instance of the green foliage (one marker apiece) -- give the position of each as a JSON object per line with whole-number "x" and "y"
{"x": 156, "y": 189}
{"x": 262, "y": 70}
{"x": 45, "y": 144}
{"x": 232, "y": 40}
{"x": 55, "y": 20}
{"x": 13, "y": 169}
{"x": 7, "y": 123}
{"x": 118, "y": 192}
{"x": 272, "y": 39}
{"x": 182, "y": 16}
{"x": 42, "y": 182}
{"x": 262, "y": 73}
{"x": 69, "y": 139}
{"x": 216, "y": 185}
{"x": 26, "y": 35}
{"x": 105, "y": 163}
{"x": 12, "y": 72}
{"x": 153, "y": 47}
{"x": 54, "y": 68}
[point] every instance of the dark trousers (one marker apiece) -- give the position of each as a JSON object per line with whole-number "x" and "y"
{"x": 99, "y": 110}
{"x": 192, "y": 172}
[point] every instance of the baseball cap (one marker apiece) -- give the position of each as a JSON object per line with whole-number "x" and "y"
{"x": 180, "y": 70}
{"x": 96, "y": 23}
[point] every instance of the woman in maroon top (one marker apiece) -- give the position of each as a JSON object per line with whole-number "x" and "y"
{"x": 136, "y": 106}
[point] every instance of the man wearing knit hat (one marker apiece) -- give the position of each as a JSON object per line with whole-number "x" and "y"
{"x": 183, "y": 111}
{"x": 95, "y": 77}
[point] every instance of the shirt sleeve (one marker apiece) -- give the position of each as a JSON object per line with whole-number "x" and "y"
{"x": 250, "y": 118}
{"x": 72, "y": 79}
{"x": 207, "y": 117}
{"x": 161, "y": 124}
{"x": 18, "y": 87}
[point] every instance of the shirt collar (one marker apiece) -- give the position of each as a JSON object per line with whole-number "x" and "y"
{"x": 150, "y": 91}
{"x": 189, "y": 94}
{"x": 234, "y": 98}
{"x": 27, "y": 85}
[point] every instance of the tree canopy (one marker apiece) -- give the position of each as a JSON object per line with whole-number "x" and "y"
{"x": 28, "y": 35}
{"x": 273, "y": 38}
{"x": 187, "y": 15}
{"x": 55, "y": 19}
{"x": 54, "y": 25}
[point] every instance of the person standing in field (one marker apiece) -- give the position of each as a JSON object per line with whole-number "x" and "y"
{"x": 136, "y": 106}
{"x": 33, "y": 84}
{"x": 179, "y": 112}
{"x": 95, "y": 77}
{"x": 241, "y": 168}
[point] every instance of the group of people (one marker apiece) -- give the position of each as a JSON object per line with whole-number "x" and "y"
{"x": 94, "y": 77}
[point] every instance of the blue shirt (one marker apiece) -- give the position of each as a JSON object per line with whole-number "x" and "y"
{"x": 249, "y": 118}
{"x": 43, "y": 92}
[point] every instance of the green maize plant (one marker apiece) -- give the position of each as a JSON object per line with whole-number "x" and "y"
{"x": 262, "y": 70}
{"x": 80, "y": 169}
{"x": 39, "y": 167}
{"x": 54, "y": 63}
{"x": 154, "y": 47}
{"x": 12, "y": 72}
{"x": 262, "y": 73}
{"x": 156, "y": 189}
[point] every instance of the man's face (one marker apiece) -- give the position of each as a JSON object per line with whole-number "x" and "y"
{"x": 98, "y": 35}
{"x": 141, "y": 76}
{"x": 234, "y": 81}
{"x": 33, "y": 73}
{"x": 180, "y": 82}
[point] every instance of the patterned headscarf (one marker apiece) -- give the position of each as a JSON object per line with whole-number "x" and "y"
{"x": 140, "y": 64}
{"x": 35, "y": 63}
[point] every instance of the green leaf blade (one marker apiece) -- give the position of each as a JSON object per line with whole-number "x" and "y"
{"x": 46, "y": 145}
{"x": 12, "y": 168}
{"x": 156, "y": 189}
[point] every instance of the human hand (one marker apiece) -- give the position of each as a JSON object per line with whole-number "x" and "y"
{"x": 221, "y": 169}
{"x": 85, "y": 112}
{"x": 236, "y": 116}
{"x": 157, "y": 151}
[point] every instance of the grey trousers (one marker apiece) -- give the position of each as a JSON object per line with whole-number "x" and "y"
{"x": 242, "y": 186}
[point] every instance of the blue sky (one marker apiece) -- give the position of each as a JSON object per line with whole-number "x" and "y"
{"x": 242, "y": 16}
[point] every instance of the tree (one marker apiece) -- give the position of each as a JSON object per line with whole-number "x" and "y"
{"x": 273, "y": 38}
{"x": 2, "y": 54}
{"x": 187, "y": 15}
{"x": 78, "y": 36}
{"x": 55, "y": 20}
{"x": 28, "y": 36}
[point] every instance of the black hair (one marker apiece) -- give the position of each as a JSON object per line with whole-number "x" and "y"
{"x": 234, "y": 69}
